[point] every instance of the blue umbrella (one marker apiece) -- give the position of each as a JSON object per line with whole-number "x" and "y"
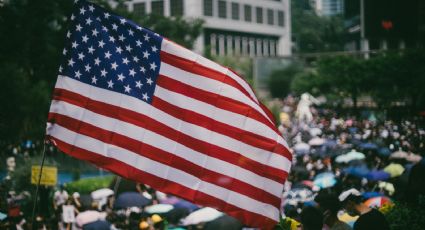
{"x": 384, "y": 151}
{"x": 376, "y": 175}
{"x": 131, "y": 199}
{"x": 325, "y": 180}
{"x": 187, "y": 205}
{"x": 368, "y": 195}
{"x": 358, "y": 171}
{"x": 368, "y": 146}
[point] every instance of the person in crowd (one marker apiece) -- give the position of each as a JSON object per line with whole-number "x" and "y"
{"x": 311, "y": 218}
{"x": 369, "y": 218}
{"x": 330, "y": 205}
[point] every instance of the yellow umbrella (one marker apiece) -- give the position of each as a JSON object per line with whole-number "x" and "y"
{"x": 394, "y": 169}
{"x": 348, "y": 219}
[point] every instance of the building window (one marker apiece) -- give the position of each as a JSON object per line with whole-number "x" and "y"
{"x": 139, "y": 9}
{"x": 158, "y": 7}
{"x": 270, "y": 16}
{"x": 248, "y": 13}
{"x": 222, "y": 9}
{"x": 176, "y": 7}
{"x": 235, "y": 11}
{"x": 259, "y": 12}
{"x": 280, "y": 18}
{"x": 208, "y": 7}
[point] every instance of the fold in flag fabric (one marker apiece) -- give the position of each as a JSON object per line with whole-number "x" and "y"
{"x": 143, "y": 107}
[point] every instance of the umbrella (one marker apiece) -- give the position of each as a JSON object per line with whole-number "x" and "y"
{"x": 102, "y": 193}
{"x": 299, "y": 195}
{"x": 89, "y": 216}
{"x": 368, "y": 195}
{"x": 388, "y": 187}
{"x": 301, "y": 148}
{"x": 98, "y": 225}
{"x": 202, "y": 215}
{"x": 308, "y": 183}
{"x": 187, "y": 205}
{"x": 350, "y": 220}
{"x": 394, "y": 169}
{"x": 377, "y": 202}
{"x": 224, "y": 222}
{"x": 316, "y": 141}
{"x": 325, "y": 180}
{"x": 399, "y": 155}
{"x": 131, "y": 199}
{"x": 2, "y": 216}
{"x": 376, "y": 175}
{"x": 384, "y": 151}
{"x": 350, "y": 156}
{"x": 170, "y": 200}
{"x": 358, "y": 171}
{"x": 315, "y": 132}
{"x": 330, "y": 143}
{"x": 159, "y": 208}
{"x": 413, "y": 158}
{"x": 368, "y": 146}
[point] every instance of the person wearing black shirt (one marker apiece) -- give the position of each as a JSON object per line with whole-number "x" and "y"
{"x": 369, "y": 218}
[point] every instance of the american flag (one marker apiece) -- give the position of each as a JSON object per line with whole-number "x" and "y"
{"x": 141, "y": 106}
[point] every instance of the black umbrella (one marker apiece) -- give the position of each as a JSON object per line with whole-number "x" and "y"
{"x": 131, "y": 199}
{"x": 224, "y": 222}
{"x": 97, "y": 225}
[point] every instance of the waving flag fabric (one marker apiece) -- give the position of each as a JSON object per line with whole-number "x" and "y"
{"x": 141, "y": 106}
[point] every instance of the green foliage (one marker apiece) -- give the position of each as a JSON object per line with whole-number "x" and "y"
{"x": 88, "y": 185}
{"x": 314, "y": 33}
{"x": 280, "y": 80}
{"x": 387, "y": 77}
{"x": 304, "y": 82}
{"x": 403, "y": 216}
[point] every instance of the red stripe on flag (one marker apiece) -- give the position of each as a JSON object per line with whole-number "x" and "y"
{"x": 151, "y": 152}
{"x": 164, "y": 185}
{"x": 146, "y": 122}
{"x": 196, "y": 68}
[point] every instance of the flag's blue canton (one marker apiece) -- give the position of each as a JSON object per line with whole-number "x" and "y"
{"x": 111, "y": 52}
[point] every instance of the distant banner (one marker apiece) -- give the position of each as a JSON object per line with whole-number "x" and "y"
{"x": 49, "y": 175}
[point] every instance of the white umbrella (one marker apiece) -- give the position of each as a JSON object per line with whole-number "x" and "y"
{"x": 316, "y": 141}
{"x": 159, "y": 208}
{"x": 353, "y": 155}
{"x": 101, "y": 193}
{"x": 201, "y": 215}
{"x": 89, "y": 217}
{"x": 315, "y": 132}
{"x": 301, "y": 147}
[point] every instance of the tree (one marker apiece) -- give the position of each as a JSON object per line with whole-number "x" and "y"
{"x": 313, "y": 33}
{"x": 345, "y": 74}
{"x": 280, "y": 80}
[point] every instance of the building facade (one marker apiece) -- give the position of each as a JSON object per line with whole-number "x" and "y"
{"x": 328, "y": 7}
{"x": 232, "y": 27}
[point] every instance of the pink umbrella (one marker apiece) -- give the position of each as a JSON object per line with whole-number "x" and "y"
{"x": 377, "y": 202}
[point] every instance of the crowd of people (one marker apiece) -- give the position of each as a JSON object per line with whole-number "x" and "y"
{"x": 347, "y": 172}
{"x": 348, "y": 167}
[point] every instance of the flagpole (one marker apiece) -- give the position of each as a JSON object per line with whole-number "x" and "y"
{"x": 38, "y": 185}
